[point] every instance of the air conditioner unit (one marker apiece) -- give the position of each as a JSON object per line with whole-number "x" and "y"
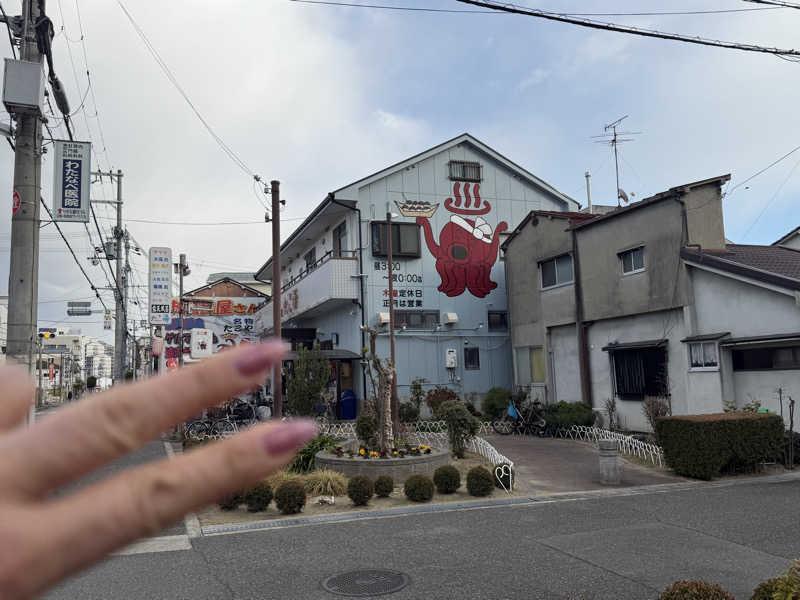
{"x": 450, "y": 318}
{"x": 383, "y": 318}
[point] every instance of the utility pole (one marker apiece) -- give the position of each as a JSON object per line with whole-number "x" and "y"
{"x": 126, "y": 278}
{"x": 394, "y": 404}
{"x": 39, "y": 397}
{"x": 277, "y": 376}
{"x": 23, "y": 276}
{"x": 182, "y": 268}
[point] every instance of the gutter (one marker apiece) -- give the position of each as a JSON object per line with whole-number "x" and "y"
{"x": 582, "y": 326}
{"x": 332, "y": 199}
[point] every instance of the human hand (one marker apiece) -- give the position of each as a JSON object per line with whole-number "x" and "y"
{"x": 43, "y": 540}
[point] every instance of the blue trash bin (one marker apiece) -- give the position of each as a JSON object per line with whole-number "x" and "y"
{"x": 347, "y": 405}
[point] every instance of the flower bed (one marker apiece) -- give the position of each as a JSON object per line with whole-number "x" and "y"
{"x": 399, "y": 464}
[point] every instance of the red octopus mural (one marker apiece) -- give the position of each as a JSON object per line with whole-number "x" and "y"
{"x": 467, "y": 247}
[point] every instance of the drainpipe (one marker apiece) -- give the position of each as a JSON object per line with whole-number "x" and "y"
{"x": 332, "y": 198}
{"x": 581, "y": 326}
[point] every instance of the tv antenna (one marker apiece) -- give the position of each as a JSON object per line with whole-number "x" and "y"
{"x": 614, "y": 139}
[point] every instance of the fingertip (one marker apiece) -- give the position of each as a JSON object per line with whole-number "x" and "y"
{"x": 288, "y": 435}
{"x": 255, "y": 358}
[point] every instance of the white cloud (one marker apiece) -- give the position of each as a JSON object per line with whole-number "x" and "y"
{"x": 537, "y": 76}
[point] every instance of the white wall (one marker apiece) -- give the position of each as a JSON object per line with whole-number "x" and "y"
{"x": 763, "y": 386}
{"x": 565, "y": 364}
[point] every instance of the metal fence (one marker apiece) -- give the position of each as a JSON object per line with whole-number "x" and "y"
{"x": 627, "y": 443}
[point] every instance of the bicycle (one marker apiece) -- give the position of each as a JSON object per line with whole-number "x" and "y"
{"x": 528, "y": 420}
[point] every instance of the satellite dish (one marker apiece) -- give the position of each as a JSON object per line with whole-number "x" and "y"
{"x": 621, "y": 195}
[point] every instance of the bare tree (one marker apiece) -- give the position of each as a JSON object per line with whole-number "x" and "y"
{"x": 386, "y": 374}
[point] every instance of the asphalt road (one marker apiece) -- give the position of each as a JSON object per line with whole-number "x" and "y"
{"x": 629, "y": 547}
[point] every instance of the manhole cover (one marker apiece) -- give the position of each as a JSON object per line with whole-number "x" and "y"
{"x": 368, "y": 582}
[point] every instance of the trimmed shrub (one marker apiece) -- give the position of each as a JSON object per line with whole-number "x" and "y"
{"x": 367, "y": 428}
{"x": 278, "y": 477}
{"x": 461, "y": 426}
{"x": 563, "y": 415}
{"x": 479, "y": 482}
{"x": 437, "y": 396}
{"x": 258, "y": 497}
{"x": 695, "y": 590}
{"x": 765, "y": 590}
{"x": 418, "y": 488}
{"x": 325, "y": 483}
{"x": 303, "y": 461}
{"x": 495, "y": 402}
{"x": 231, "y": 502}
{"x": 787, "y": 586}
{"x": 384, "y": 486}
{"x": 290, "y": 497}
{"x": 704, "y": 446}
{"x": 360, "y": 489}
{"x": 447, "y": 479}
{"x": 506, "y": 479}
{"x": 408, "y": 412}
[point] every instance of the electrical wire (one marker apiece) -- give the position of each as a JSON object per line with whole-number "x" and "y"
{"x": 776, "y": 3}
{"x": 494, "y": 12}
{"x": 769, "y": 166}
{"x": 771, "y": 200}
{"x": 652, "y": 33}
{"x": 168, "y": 73}
{"x": 202, "y": 224}
{"x": 8, "y": 29}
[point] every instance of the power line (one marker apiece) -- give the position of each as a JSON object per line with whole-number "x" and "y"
{"x": 769, "y": 166}
{"x": 776, "y": 3}
{"x": 8, "y": 29}
{"x": 771, "y": 200}
{"x": 201, "y": 224}
{"x": 166, "y": 70}
{"x": 652, "y": 33}
{"x": 495, "y": 12}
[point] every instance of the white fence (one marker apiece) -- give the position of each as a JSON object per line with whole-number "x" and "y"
{"x": 627, "y": 443}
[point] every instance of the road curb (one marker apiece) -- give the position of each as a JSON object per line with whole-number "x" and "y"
{"x": 190, "y": 521}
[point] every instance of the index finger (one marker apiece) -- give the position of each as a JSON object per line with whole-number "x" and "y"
{"x": 97, "y": 430}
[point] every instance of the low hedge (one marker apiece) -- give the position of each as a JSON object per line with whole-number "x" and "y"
{"x": 705, "y": 446}
{"x": 695, "y": 590}
{"x": 563, "y": 415}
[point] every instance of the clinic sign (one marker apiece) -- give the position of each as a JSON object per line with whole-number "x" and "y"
{"x": 160, "y": 285}
{"x": 72, "y": 179}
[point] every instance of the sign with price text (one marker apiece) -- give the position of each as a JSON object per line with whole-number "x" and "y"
{"x": 160, "y": 280}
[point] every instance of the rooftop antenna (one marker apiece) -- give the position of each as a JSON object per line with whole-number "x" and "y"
{"x": 613, "y": 139}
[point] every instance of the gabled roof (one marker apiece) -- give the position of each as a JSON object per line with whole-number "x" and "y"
{"x": 573, "y": 217}
{"x": 226, "y": 280}
{"x": 674, "y": 192}
{"x": 794, "y": 232}
{"x": 771, "y": 264}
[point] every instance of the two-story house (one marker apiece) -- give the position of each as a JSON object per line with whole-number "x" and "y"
{"x": 451, "y": 206}
{"x": 651, "y": 300}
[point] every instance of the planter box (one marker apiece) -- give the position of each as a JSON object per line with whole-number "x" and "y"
{"x": 398, "y": 469}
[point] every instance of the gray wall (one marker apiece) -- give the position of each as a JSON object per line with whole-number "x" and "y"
{"x": 704, "y": 217}
{"x": 565, "y": 371}
{"x": 662, "y": 285}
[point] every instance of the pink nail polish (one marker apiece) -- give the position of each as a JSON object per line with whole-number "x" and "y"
{"x": 289, "y": 435}
{"x": 256, "y": 358}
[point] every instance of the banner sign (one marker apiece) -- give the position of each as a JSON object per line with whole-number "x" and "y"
{"x": 72, "y": 179}
{"x": 107, "y": 319}
{"x": 160, "y": 299}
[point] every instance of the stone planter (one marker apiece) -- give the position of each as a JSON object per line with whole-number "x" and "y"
{"x": 398, "y": 469}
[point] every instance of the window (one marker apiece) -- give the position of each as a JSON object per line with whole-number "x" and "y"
{"x": 498, "y": 320}
{"x": 416, "y": 319}
{"x": 632, "y": 260}
{"x": 472, "y": 359}
{"x": 340, "y": 239}
{"x": 530, "y": 365}
{"x": 639, "y": 373}
{"x": 405, "y": 239}
{"x": 310, "y": 257}
{"x": 703, "y": 355}
{"x": 462, "y": 170}
{"x": 556, "y": 271}
{"x": 766, "y": 359}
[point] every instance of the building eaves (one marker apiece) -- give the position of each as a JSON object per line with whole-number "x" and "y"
{"x": 736, "y": 264}
{"x": 787, "y": 237}
{"x": 226, "y": 280}
{"x": 780, "y": 338}
{"x": 706, "y": 337}
{"x": 573, "y": 217}
{"x": 635, "y": 345}
{"x": 674, "y": 192}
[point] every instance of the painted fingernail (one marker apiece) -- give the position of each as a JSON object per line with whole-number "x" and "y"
{"x": 256, "y": 358}
{"x": 289, "y": 435}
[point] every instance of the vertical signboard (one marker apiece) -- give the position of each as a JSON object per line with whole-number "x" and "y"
{"x": 71, "y": 182}
{"x": 160, "y": 298}
{"x": 107, "y": 319}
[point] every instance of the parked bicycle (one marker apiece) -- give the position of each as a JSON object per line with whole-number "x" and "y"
{"x": 522, "y": 418}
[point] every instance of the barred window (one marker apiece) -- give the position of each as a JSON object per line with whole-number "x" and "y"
{"x": 462, "y": 170}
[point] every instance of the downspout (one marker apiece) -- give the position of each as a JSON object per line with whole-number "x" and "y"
{"x": 332, "y": 198}
{"x": 583, "y": 347}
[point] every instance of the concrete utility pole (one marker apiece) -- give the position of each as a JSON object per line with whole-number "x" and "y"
{"x": 390, "y": 272}
{"x": 277, "y": 376}
{"x": 23, "y": 276}
{"x": 182, "y": 268}
{"x": 126, "y": 278}
{"x": 120, "y": 332}
{"x": 39, "y": 397}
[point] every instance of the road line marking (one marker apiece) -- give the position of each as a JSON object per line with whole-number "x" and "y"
{"x": 164, "y": 543}
{"x": 190, "y": 521}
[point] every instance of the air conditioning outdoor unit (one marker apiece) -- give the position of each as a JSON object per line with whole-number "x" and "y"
{"x": 383, "y": 318}
{"x": 450, "y": 318}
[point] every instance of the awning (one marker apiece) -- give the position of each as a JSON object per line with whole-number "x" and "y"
{"x": 763, "y": 341}
{"x": 336, "y": 354}
{"x": 706, "y": 337}
{"x": 634, "y": 345}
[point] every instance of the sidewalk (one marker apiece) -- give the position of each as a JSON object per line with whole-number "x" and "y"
{"x": 548, "y": 466}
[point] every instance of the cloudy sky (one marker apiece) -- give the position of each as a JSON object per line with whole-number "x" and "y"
{"x": 318, "y": 96}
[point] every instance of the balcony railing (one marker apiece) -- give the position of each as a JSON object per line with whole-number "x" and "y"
{"x": 330, "y": 254}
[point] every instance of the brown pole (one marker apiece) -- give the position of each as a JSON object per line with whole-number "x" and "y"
{"x": 395, "y": 404}
{"x": 277, "y": 376}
